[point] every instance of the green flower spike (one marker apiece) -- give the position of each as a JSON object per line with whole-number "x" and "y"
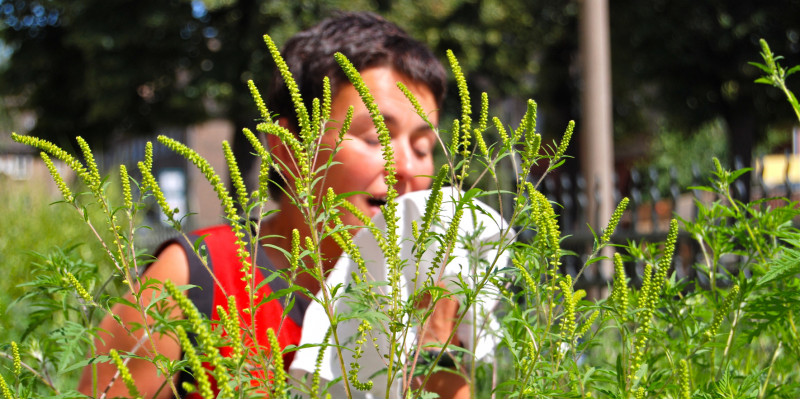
{"x": 295, "y": 261}
{"x": 414, "y": 102}
{"x": 363, "y": 330}
{"x": 644, "y": 320}
{"x": 125, "y": 374}
{"x": 198, "y": 371}
{"x": 17, "y": 359}
{"x": 262, "y": 107}
{"x": 5, "y": 389}
{"x": 348, "y": 119}
{"x": 501, "y": 130}
{"x": 203, "y": 338}
{"x": 326, "y": 99}
{"x": 390, "y": 209}
{"x": 647, "y": 280}
{"x": 562, "y": 147}
{"x": 54, "y": 150}
{"x": 234, "y": 327}
{"x": 257, "y": 146}
{"x": 720, "y": 313}
{"x": 288, "y": 139}
{"x": 683, "y": 374}
{"x": 669, "y": 250}
{"x": 279, "y": 379}
{"x": 568, "y": 320}
{"x": 463, "y": 94}
{"x": 432, "y": 207}
{"x": 614, "y": 221}
{"x": 318, "y": 364}
{"x": 484, "y": 117}
{"x": 588, "y": 324}
{"x": 149, "y": 182}
{"x": 619, "y": 293}
{"x": 92, "y": 179}
{"x": 235, "y": 175}
{"x": 315, "y": 122}
{"x": 206, "y": 169}
{"x": 362, "y": 218}
{"x": 528, "y": 122}
{"x": 518, "y": 263}
{"x": 79, "y": 288}
{"x": 230, "y": 321}
{"x": 451, "y": 236}
{"x": 148, "y": 155}
{"x": 344, "y": 239}
{"x": 126, "y": 186}
{"x": 656, "y": 284}
{"x": 533, "y": 140}
{"x": 528, "y": 127}
{"x": 291, "y": 84}
{"x": 62, "y": 186}
{"x": 547, "y": 222}
{"x": 454, "y": 137}
{"x": 266, "y": 161}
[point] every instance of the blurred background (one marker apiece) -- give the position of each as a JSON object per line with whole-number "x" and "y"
{"x": 680, "y": 90}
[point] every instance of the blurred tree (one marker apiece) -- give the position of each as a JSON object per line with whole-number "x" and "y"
{"x": 688, "y": 61}
{"x": 99, "y": 69}
{"x": 102, "y": 69}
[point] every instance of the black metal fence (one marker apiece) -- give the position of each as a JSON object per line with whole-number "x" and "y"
{"x": 655, "y": 198}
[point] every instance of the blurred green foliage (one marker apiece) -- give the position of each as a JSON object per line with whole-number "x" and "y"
{"x": 132, "y": 67}
{"x": 673, "y": 152}
{"x": 32, "y": 230}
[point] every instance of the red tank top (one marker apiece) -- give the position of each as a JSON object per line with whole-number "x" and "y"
{"x": 223, "y": 260}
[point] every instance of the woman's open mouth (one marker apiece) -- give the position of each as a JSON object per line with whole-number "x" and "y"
{"x": 377, "y": 201}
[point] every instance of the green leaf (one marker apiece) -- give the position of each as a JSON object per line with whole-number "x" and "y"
{"x": 761, "y": 67}
{"x": 703, "y": 188}
{"x": 764, "y": 80}
{"x": 787, "y": 264}
{"x": 739, "y": 172}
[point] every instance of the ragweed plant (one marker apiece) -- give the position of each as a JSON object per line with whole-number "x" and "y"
{"x": 665, "y": 337}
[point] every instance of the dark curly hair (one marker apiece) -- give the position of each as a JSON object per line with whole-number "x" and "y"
{"x": 368, "y": 40}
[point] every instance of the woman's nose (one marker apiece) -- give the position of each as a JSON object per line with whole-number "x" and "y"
{"x": 403, "y": 163}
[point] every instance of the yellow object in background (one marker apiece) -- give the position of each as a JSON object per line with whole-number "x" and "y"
{"x": 777, "y": 169}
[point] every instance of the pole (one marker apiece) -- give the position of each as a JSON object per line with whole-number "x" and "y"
{"x": 596, "y": 132}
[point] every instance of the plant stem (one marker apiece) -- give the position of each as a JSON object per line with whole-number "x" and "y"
{"x": 35, "y": 373}
{"x": 769, "y": 371}
{"x": 730, "y": 340}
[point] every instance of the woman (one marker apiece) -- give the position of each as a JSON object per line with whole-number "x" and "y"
{"x": 384, "y": 55}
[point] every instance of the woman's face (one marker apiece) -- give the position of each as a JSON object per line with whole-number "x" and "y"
{"x": 361, "y": 167}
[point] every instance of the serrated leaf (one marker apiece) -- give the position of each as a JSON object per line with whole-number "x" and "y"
{"x": 787, "y": 264}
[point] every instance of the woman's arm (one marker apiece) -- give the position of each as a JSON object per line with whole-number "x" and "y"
{"x": 172, "y": 264}
{"x": 440, "y": 324}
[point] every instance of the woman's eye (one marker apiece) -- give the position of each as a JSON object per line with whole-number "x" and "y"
{"x": 422, "y": 152}
{"x": 423, "y": 147}
{"x": 372, "y": 140}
